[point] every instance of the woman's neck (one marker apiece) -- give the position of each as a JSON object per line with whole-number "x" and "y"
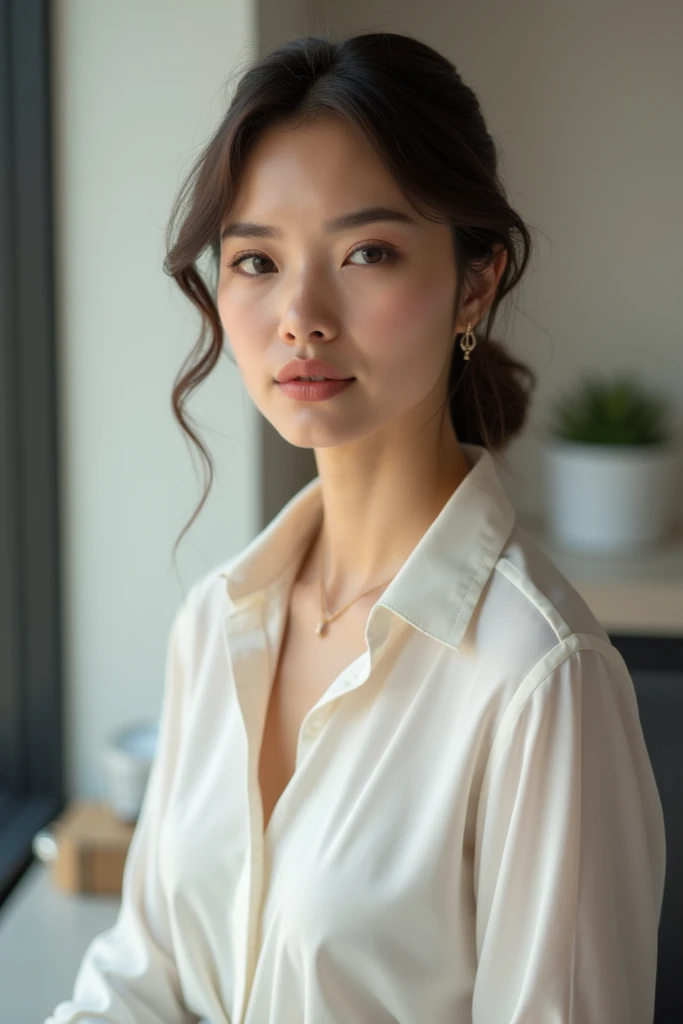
{"x": 373, "y": 519}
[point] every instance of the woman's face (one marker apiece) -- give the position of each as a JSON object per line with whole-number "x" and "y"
{"x": 375, "y": 300}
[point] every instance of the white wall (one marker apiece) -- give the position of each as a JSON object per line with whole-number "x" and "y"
{"x": 138, "y": 89}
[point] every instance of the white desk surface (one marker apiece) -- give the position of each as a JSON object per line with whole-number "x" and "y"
{"x": 44, "y": 933}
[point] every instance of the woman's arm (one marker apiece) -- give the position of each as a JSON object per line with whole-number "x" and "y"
{"x": 570, "y": 854}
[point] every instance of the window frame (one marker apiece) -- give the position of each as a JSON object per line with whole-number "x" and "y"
{"x": 31, "y": 714}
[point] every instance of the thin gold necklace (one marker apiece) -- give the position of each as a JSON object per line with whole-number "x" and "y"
{"x": 324, "y": 617}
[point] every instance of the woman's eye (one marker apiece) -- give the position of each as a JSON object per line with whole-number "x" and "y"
{"x": 387, "y": 250}
{"x": 241, "y": 258}
{"x": 384, "y": 250}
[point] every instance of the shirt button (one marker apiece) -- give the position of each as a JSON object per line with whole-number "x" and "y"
{"x": 314, "y": 728}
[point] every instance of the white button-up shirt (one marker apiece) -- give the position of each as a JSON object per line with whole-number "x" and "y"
{"x": 472, "y": 833}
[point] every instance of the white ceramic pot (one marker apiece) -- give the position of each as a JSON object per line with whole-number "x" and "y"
{"x": 608, "y": 498}
{"x": 126, "y": 762}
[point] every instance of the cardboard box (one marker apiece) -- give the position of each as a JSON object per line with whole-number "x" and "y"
{"x": 92, "y": 845}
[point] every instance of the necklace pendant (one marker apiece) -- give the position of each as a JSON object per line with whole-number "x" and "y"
{"x": 320, "y": 628}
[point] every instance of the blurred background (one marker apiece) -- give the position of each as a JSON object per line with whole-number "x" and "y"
{"x": 104, "y": 107}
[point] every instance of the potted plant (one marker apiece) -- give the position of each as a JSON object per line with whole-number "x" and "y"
{"x": 611, "y": 458}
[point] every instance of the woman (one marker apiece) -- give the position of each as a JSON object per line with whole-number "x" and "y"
{"x": 401, "y": 774}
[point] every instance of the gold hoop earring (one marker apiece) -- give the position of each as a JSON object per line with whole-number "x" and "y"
{"x": 468, "y": 341}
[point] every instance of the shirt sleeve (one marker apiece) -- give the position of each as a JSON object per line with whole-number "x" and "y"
{"x": 128, "y": 974}
{"x": 570, "y": 854}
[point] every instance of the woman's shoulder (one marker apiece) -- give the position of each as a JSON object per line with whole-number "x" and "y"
{"x": 530, "y": 616}
{"x": 539, "y": 592}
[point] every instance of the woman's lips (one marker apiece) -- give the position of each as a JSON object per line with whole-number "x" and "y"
{"x": 314, "y": 390}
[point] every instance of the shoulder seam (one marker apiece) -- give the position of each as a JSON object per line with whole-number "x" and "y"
{"x": 544, "y": 667}
{"x": 532, "y": 593}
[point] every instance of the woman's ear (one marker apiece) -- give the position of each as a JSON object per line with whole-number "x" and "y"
{"x": 482, "y": 291}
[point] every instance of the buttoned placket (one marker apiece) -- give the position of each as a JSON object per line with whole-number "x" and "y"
{"x": 247, "y": 646}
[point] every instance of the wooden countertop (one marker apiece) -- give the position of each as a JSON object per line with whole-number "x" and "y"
{"x": 639, "y": 592}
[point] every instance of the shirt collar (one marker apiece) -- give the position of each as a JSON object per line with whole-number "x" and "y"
{"x": 439, "y": 584}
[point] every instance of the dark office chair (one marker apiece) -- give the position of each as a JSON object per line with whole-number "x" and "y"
{"x": 660, "y": 702}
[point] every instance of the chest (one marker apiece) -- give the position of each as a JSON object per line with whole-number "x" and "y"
{"x": 367, "y": 845}
{"x": 306, "y": 666}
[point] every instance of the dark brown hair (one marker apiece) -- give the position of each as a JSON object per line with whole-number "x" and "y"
{"x": 426, "y": 125}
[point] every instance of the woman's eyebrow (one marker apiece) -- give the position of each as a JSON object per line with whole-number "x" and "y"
{"x": 371, "y": 214}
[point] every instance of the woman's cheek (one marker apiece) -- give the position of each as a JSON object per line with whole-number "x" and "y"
{"x": 397, "y": 320}
{"x": 243, "y": 327}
